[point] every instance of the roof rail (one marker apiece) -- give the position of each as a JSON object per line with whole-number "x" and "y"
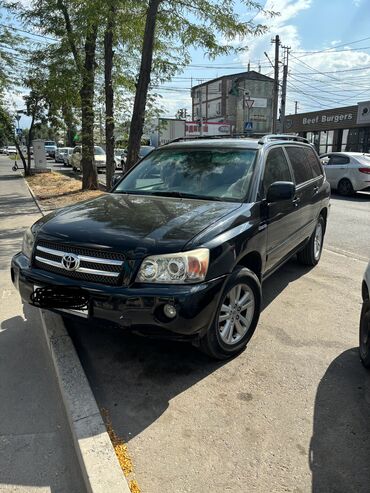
{"x": 210, "y": 137}
{"x": 270, "y": 137}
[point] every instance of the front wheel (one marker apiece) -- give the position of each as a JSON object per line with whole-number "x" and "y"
{"x": 364, "y": 347}
{"x": 311, "y": 253}
{"x": 236, "y": 317}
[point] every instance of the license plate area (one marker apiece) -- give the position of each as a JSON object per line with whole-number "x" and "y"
{"x": 70, "y": 300}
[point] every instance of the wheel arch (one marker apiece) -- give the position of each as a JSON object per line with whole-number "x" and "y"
{"x": 365, "y": 291}
{"x": 253, "y": 262}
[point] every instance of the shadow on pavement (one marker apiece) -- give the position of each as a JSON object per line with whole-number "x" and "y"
{"x": 136, "y": 377}
{"x": 340, "y": 445}
{"x": 35, "y": 450}
{"x": 357, "y": 197}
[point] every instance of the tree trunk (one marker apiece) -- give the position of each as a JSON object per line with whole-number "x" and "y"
{"x": 19, "y": 150}
{"x": 89, "y": 172}
{"x": 109, "y": 96}
{"x": 138, "y": 115}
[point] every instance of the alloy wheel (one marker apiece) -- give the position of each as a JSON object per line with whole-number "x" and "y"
{"x": 236, "y": 314}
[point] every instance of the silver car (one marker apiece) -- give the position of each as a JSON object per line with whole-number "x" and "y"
{"x": 365, "y": 320}
{"x": 347, "y": 172}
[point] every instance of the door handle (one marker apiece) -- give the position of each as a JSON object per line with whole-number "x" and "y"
{"x": 296, "y": 201}
{"x": 316, "y": 188}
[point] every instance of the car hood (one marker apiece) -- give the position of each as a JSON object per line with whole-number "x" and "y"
{"x": 136, "y": 224}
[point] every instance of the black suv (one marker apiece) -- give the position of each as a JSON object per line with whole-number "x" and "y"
{"x": 184, "y": 240}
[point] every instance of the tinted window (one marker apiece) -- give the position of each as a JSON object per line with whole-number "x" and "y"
{"x": 338, "y": 160}
{"x": 313, "y": 162}
{"x": 276, "y": 168}
{"x": 301, "y": 169}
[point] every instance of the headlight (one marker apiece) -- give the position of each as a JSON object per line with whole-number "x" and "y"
{"x": 28, "y": 242}
{"x": 185, "y": 267}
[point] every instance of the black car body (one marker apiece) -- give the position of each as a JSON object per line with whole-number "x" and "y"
{"x": 247, "y": 238}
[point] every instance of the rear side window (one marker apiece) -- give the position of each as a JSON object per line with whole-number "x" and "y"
{"x": 301, "y": 169}
{"x": 339, "y": 160}
{"x": 313, "y": 162}
{"x": 276, "y": 168}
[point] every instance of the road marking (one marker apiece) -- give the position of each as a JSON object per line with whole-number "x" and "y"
{"x": 345, "y": 253}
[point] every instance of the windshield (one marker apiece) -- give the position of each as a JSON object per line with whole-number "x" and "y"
{"x": 222, "y": 174}
{"x": 98, "y": 151}
{"x": 50, "y": 143}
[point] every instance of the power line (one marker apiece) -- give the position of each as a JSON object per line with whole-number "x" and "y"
{"x": 28, "y": 32}
{"x": 307, "y": 53}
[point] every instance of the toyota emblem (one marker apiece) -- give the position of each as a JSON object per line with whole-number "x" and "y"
{"x": 70, "y": 261}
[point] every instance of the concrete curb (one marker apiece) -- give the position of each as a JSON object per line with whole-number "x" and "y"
{"x": 99, "y": 464}
{"x": 38, "y": 205}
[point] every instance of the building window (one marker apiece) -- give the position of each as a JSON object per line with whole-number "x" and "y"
{"x": 344, "y": 139}
{"x": 219, "y": 108}
{"x": 219, "y": 86}
{"x": 197, "y": 111}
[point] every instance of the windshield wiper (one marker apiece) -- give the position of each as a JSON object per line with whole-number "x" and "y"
{"x": 182, "y": 195}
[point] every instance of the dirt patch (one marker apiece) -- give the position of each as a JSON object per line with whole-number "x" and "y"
{"x": 54, "y": 190}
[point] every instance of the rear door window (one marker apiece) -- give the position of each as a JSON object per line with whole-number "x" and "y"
{"x": 338, "y": 160}
{"x": 313, "y": 162}
{"x": 276, "y": 168}
{"x": 301, "y": 168}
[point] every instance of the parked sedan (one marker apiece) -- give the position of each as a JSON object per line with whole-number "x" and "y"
{"x": 365, "y": 320}
{"x": 347, "y": 172}
{"x": 67, "y": 156}
{"x": 100, "y": 158}
{"x": 11, "y": 150}
{"x": 59, "y": 154}
{"x": 144, "y": 151}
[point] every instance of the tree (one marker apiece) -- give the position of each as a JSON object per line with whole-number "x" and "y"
{"x": 182, "y": 24}
{"x": 109, "y": 95}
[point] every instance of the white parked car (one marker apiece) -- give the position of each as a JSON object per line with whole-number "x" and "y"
{"x": 347, "y": 172}
{"x": 365, "y": 320}
{"x": 100, "y": 158}
{"x": 67, "y": 156}
{"x": 117, "y": 158}
{"x": 59, "y": 154}
{"x": 11, "y": 150}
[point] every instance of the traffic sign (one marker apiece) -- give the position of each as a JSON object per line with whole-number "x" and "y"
{"x": 248, "y": 126}
{"x": 249, "y": 102}
{"x": 19, "y": 131}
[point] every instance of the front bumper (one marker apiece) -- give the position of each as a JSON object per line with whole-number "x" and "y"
{"x": 139, "y": 307}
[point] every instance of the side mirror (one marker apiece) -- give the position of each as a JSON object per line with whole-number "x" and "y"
{"x": 280, "y": 190}
{"x": 325, "y": 161}
{"x": 116, "y": 178}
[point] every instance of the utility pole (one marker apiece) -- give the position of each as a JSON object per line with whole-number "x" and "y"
{"x": 276, "y": 84}
{"x": 283, "y": 91}
{"x": 201, "y": 111}
{"x": 296, "y": 107}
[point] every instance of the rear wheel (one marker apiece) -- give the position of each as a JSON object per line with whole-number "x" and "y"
{"x": 345, "y": 188}
{"x": 364, "y": 347}
{"x": 311, "y": 253}
{"x": 236, "y": 317}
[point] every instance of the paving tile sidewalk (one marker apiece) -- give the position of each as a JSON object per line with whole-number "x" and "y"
{"x": 36, "y": 449}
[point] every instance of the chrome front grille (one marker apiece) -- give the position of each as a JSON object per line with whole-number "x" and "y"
{"x": 93, "y": 265}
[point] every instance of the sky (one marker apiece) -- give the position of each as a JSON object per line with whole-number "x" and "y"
{"x": 338, "y": 74}
{"x": 329, "y": 61}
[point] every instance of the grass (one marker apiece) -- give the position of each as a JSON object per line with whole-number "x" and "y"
{"x": 54, "y": 190}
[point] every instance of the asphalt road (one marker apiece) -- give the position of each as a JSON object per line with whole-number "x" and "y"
{"x": 291, "y": 413}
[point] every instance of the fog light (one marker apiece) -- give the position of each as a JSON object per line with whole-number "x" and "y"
{"x": 169, "y": 311}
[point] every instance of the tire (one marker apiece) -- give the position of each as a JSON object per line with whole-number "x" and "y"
{"x": 364, "y": 336}
{"x": 213, "y": 343}
{"x": 345, "y": 188}
{"x": 311, "y": 253}
{"x": 74, "y": 169}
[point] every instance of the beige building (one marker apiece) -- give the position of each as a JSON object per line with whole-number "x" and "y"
{"x": 243, "y": 100}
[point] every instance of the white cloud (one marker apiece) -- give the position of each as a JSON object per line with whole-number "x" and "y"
{"x": 356, "y": 3}
{"x": 322, "y": 90}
